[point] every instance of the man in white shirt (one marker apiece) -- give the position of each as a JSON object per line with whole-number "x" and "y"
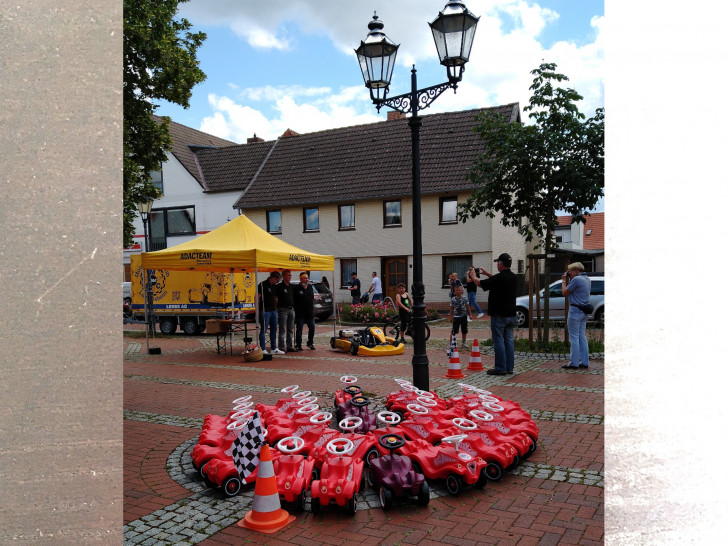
{"x": 376, "y": 288}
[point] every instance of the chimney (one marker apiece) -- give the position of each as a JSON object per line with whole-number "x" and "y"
{"x": 255, "y": 138}
{"x": 289, "y": 133}
{"x": 394, "y": 114}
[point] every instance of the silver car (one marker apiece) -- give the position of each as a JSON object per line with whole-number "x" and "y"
{"x": 556, "y": 303}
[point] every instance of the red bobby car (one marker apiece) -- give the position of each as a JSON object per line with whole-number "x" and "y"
{"x": 294, "y": 472}
{"x": 341, "y": 478}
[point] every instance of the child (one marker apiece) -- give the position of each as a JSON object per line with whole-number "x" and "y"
{"x": 459, "y": 312}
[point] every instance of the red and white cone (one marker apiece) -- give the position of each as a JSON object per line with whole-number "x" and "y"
{"x": 475, "y": 364}
{"x": 266, "y": 516}
{"x": 453, "y": 368}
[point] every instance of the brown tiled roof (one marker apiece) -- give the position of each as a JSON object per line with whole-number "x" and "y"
{"x": 365, "y": 161}
{"x": 186, "y": 141}
{"x": 595, "y": 223}
{"x": 232, "y": 168}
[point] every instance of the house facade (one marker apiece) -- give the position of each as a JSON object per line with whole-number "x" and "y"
{"x": 347, "y": 192}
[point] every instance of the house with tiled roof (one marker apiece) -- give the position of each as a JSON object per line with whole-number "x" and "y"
{"x": 583, "y": 242}
{"x": 346, "y": 192}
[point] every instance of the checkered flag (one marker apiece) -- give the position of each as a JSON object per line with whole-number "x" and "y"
{"x": 246, "y": 447}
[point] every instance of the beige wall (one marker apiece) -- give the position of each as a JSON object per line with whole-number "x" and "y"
{"x": 370, "y": 241}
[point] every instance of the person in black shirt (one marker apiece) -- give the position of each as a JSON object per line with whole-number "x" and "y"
{"x": 303, "y": 304}
{"x": 502, "y": 289}
{"x": 268, "y": 314}
{"x": 355, "y": 288}
{"x": 284, "y": 292}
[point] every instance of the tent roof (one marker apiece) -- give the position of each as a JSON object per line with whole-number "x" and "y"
{"x": 238, "y": 245}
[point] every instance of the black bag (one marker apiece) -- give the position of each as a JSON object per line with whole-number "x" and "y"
{"x": 587, "y": 309}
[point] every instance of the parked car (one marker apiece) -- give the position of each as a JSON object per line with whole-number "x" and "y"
{"x": 126, "y": 290}
{"x": 556, "y": 303}
{"x": 323, "y": 300}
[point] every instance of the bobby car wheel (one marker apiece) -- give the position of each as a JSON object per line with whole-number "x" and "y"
{"x": 232, "y": 486}
{"x": 454, "y": 484}
{"x": 385, "y": 498}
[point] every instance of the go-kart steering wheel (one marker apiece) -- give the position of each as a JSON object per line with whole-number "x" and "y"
{"x": 427, "y": 402}
{"x": 301, "y": 394}
{"x": 321, "y": 417}
{"x": 481, "y": 415}
{"x": 352, "y": 390}
{"x": 455, "y": 439}
{"x": 391, "y": 441}
{"x": 389, "y": 417}
{"x": 290, "y": 444}
{"x": 464, "y": 424}
{"x": 348, "y": 379}
{"x": 350, "y": 423}
{"x": 289, "y": 389}
{"x": 242, "y": 415}
{"x": 360, "y": 401}
{"x": 340, "y": 446}
{"x": 306, "y": 401}
{"x": 242, "y": 399}
{"x": 417, "y": 409}
{"x": 308, "y": 409}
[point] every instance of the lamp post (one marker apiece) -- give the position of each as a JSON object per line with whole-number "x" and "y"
{"x": 145, "y": 209}
{"x": 453, "y": 31}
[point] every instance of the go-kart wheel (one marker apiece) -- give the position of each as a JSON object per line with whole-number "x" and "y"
{"x": 290, "y": 444}
{"x": 482, "y": 479}
{"x": 389, "y": 418}
{"x": 353, "y": 390}
{"x": 300, "y": 501}
{"x": 242, "y": 399}
{"x": 321, "y": 417}
{"x": 464, "y": 424}
{"x": 423, "y": 498}
{"x": 385, "y": 498}
{"x": 360, "y": 401}
{"x": 348, "y": 379}
{"x": 350, "y": 423}
{"x": 315, "y": 505}
{"x": 494, "y": 471}
{"x": 454, "y": 484}
{"x": 340, "y": 446}
{"x": 351, "y": 505}
{"x": 231, "y": 486}
{"x": 371, "y": 454}
{"x": 391, "y": 441}
{"x": 289, "y": 389}
{"x": 354, "y": 349}
{"x": 332, "y": 342}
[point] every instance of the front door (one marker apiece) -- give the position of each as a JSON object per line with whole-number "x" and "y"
{"x": 395, "y": 272}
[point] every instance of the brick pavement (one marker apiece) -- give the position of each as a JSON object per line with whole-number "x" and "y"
{"x": 557, "y": 496}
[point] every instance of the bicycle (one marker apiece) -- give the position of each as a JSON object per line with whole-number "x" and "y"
{"x": 393, "y": 327}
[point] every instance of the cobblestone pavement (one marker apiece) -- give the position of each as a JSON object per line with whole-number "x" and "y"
{"x": 557, "y": 496}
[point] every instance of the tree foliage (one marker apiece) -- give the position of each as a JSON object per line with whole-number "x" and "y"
{"x": 531, "y": 171}
{"x": 160, "y": 63}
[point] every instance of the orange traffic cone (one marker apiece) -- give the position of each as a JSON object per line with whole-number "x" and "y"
{"x": 475, "y": 365}
{"x": 453, "y": 368}
{"x": 267, "y": 516}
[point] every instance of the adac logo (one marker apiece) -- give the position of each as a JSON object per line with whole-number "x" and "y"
{"x": 300, "y": 258}
{"x": 202, "y": 258}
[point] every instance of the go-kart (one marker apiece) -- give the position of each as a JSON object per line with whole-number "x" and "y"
{"x": 341, "y": 478}
{"x": 293, "y": 471}
{"x": 394, "y": 476}
{"x": 370, "y": 341}
{"x": 447, "y": 462}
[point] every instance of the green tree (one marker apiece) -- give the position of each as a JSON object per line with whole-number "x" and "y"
{"x": 528, "y": 172}
{"x": 160, "y": 63}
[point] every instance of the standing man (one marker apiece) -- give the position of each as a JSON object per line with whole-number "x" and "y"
{"x": 376, "y": 288}
{"x": 268, "y": 315}
{"x": 355, "y": 289}
{"x": 472, "y": 289}
{"x": 284, "y": 293}
{"x": 577, "y": 290}
{"x": 502, "y": 289}
{"x": 303, "y": 303}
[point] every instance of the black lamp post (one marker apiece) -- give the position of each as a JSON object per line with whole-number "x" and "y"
{"x": 453, "y": 31}
{"x": 145, "y": 209}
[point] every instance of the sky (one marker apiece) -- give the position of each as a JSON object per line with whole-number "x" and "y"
{"x": 292, "y": 65}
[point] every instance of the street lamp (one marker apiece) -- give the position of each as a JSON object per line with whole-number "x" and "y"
{"x": 453, "y": 31}
{"x": 145, "y": 209}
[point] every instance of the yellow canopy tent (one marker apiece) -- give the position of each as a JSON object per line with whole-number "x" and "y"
{"x": 238, "y": 245}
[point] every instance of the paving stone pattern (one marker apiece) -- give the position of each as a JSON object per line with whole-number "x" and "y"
{"x": 556, "y": 496}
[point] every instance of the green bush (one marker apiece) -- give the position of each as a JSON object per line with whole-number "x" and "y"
{"x": 375, "y": 313}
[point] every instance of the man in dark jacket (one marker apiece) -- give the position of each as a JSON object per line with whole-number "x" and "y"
{"x": 303, "y": 305}
{"x": 284, "y": 293}
{"x": 502, "y": 289}
{"x": 268, "y": 315}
